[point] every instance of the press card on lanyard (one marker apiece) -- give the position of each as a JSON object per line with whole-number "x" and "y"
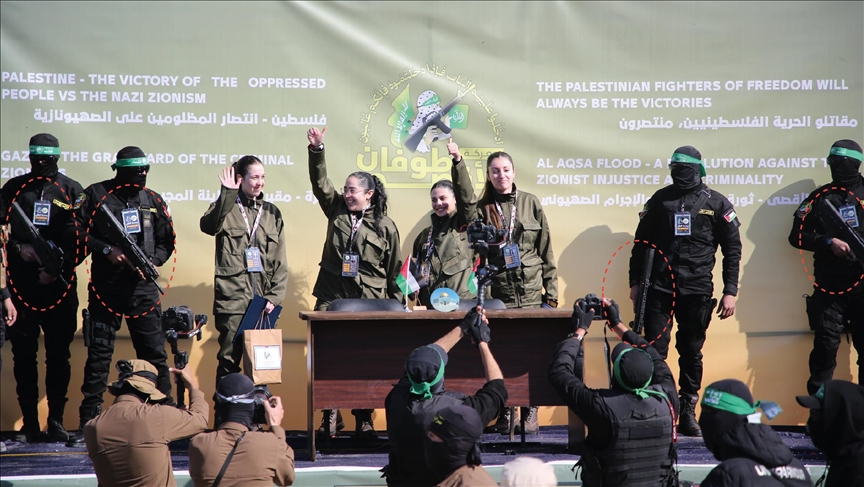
{"x": 683, "y": 223}
{"x": 350, "y": 265}
{"x": 849, "y": 215}
{"x": 511, "y": 256}
{"x": 41, "y": 213}
{"x": 131, "y": 221}
{"x": 253, "y": 260}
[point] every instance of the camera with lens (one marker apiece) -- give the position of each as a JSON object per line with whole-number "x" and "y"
{"x": 591, "y": 302}
{"x": 478, "y": 232}
{"x": 261, "y": 395}
{"x": 181, "y": 319}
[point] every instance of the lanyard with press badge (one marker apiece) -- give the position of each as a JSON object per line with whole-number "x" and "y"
{"x": 512, "y": 260}
{"x": 350, "y": 259}
{"x": 42, "y": 211}
{"x": 253, "y": 253}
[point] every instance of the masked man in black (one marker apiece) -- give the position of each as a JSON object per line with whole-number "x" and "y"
{"x": 118, "y": 289}
{"x": 750, "y": 453}
{"x": 686, "y": 221}
{"x": 452, "y": 448}
{"x": 838, "y": 294}
{"x": 836, "y": 426}
{"x": 45, "y": 303}
{"x": 631, "y": 425}
{"x": 420, "y": 394}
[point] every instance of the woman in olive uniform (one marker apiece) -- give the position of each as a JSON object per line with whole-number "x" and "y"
{"x": 244, "y": 226}
{"x": 527, "y": 277}
{"x": 362, "y": 254}
{"x": 443, "y": 255}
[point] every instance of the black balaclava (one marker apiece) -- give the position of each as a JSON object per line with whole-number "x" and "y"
{"x": 844, "y": 159}
{"x": 837, "y": 421}
{"x": 633, "y": 368}
{"x": 234, "y": 400}
{"x": 44, "y": 154}
{"x": 461, "y": 430}
{"x": 425, "y": 370}
{"x": 130, "y": 174}
{"x": 686, "y": 175}
{"x": 716, "y": 422}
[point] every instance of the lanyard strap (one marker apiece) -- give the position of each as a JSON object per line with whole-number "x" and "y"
{"x": 355, "y": 225}
{"x": 429, "y": 244}
{"x": 254, "y": 228}
{"x": 512, "y": 216}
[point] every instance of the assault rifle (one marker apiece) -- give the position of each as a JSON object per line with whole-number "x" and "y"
{"x": 832, "y": 218}
{"x": 433, "y": 118}
{"x": 639, "y": 321}
{"x": 117, "y": 235}
{"x": 50, "y": 255}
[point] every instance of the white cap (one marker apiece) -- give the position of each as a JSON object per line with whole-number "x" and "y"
{"x": 528, "y": 472}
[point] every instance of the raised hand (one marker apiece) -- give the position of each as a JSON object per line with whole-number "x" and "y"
{"x": 315, "y": 136}
{"x": 229, "y": 179}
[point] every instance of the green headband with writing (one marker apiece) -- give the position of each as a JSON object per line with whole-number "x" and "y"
{"x": 44, "y": 150}
{"x": 678, "y": 157}
{"x": 730, "y": 403}
{"x": 425, "y": 388}
{"x": 642, "y": 392}
{"x": 131, "y": 162}
{"x": 838, "y": 151}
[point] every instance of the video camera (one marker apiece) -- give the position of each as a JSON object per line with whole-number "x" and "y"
{"x": 479, "y": 233}
{"x": 480, "y": 236}
{"x": 261, "y": 394}
{"x": 180, "y": 322}
{"x": 591, "y": 302}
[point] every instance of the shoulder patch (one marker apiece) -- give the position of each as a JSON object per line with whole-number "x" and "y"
{"x": 804, "y": 209}
{"x": 644, "y": 211}
{"x": 79, "y": 201}
{"x": 705, "y": 211}
{"x": 731, "y": 217}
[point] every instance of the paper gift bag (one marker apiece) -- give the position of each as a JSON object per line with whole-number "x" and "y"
{"x": 262, "y": 353}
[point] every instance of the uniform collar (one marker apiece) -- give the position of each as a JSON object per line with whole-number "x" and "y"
{"x": 248, "y": 202}
{"x": 232, "y": 426}
{"x": 506, "y": 197}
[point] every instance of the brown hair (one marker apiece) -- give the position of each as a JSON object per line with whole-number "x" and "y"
{"x": 487, "y": 197}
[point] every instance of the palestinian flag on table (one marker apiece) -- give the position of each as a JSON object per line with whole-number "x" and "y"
{"x": 472, "y": 278}
{"x": 405, "y": 280}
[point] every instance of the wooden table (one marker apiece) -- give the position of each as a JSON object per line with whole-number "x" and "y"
{"x": 354, "y": 358}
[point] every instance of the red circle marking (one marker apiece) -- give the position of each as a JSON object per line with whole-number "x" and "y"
{"x": 671, "y": 274}
{"x": 173, "y": 235}
{"x": 812, "y": 202}
{"x": 74, "y": 278}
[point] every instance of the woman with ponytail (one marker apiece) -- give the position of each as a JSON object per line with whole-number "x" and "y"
{"x": 527, "y": 276}
{"x": 362, "y": 255}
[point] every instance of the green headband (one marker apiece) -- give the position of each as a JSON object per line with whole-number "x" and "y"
{"x": 431, "y": 101}
{"x": 44, "y": 150}
{"x": 730, "y": 403}
{"x": 425, "y": 388}
{"x": 642, "y": 392}
{"x": 835, "y": 151}
{"x": 132, "y": 162}
{"x": 678, "y": 157}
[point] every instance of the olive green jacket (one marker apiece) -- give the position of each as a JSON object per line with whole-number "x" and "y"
{"x": 451, "y": 260}
{"x": 233, "y": 285}
{"x": 380, "y": 257}
{"x": 524, "y": 287}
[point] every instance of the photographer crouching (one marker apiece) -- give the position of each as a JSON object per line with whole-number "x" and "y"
{"x": 631, "y": 426}
{"x": 238, "y": 453}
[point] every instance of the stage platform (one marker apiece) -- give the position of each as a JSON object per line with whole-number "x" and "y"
{"x": 347, "y": 462}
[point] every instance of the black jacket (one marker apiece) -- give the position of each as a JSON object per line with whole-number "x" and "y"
{"x": 809, "y": 233}
{"x": 64, "y": 196}
{"x": 843, "y": 430}
{"x": 407, "y": 420}
{"x": 692, "y": 257}
{"x": 753, "y": 455}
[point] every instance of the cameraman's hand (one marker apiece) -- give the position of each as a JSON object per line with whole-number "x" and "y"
{"x": 581, "y": 319}
{"x": 471, "y": 318}
{"x": 611, "y": 312}
{"x": 185, "y": 376}
{"x": 273, "y": 411}
{"x": 481, "y": 333}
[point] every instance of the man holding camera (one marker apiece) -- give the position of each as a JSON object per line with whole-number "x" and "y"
{"x": 686, "y": 221}
{"x": 235, "y": 454}
{"x": 47, "y": 302}
{"x": 128, "y": 443}
{"x": 631, "y": 425}
{"x": 119, "y": 289}
{"x": 420, "y": 394}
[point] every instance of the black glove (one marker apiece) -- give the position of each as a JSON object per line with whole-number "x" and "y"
{"x": 581, "y": 319}
{"x": 612, "y": 313}
{"x": 471, "y": 319}
{"x": 481, "y": 333}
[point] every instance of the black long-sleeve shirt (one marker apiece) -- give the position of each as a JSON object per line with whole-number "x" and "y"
{"x": 588, "y": 403}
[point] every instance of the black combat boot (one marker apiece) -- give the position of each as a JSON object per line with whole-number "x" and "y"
{"x": 56, "y": 431}
{"x": 502, "y": 425}
{"x": 364, "y": 428}
{"x": 532, "y": 426}
{"x": 86, "y": 414}
{"x": 31, "y": 431}
{"x": 687, "y": 424}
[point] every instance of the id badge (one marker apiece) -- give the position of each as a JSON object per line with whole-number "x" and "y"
{"x": 683, "y": 222}
{"x": 350, "y": 265}
{"x": 253, "y": 260}
{"x": 41, "y": 213}
{"x": 131, "y": 220}
{"x": 849, "y": 215}
{"x": 425, "y": 272}
{"x": 511, "y": 256}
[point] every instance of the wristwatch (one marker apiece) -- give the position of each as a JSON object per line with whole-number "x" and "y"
{"x": 107, "y": 250}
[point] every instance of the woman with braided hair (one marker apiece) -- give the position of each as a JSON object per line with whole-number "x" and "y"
{"x": 362, "y": 254}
